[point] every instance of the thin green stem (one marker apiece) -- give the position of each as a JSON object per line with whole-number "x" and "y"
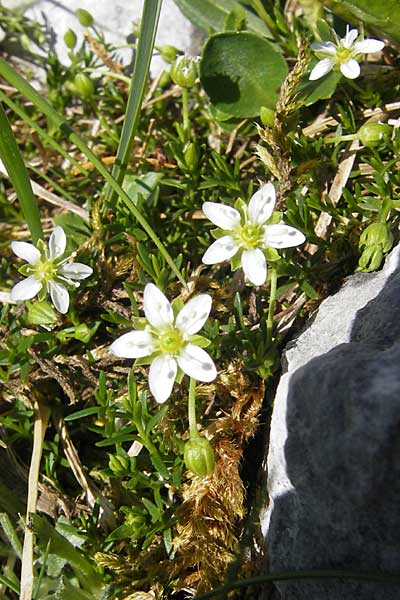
{"x": 341, "y": 138}
{"x": 27, "y": 90}
{"x": 192, "y": 410}
{"x": 12, "y": 159}
{"x": 185, "y": 114}
{"x": 299, "y": 575}
{"x": 272, "y": 301}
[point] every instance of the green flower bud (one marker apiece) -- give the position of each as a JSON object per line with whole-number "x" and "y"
{"x": 184, "y": 71}
{"x": 267, "y": 116}
{"x": 168, "y": 53}
{"x": 371, "y": 134}
{"x": 70, "y": 39}
{"x": 199, "y": 456}
{"x": 84, "y": 17}
{"x": 191, "y": 154}
{"x": 41, "y": 313}
{"x": 377, "y": 234}
{"x": 370, "y": 260}
{"x": 84, "y": 86}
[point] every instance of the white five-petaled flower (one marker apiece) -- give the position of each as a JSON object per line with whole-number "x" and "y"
{"x": 169, "y": 341}
{"x": 249, "y": 234}
{"x": 47, "y": 271}
{"x": 345, "y": 54}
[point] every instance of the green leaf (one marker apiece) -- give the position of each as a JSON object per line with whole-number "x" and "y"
{"x": 375, "y": 14}
{"x": 15, "y": 167}
{"x": 210, "y": 15}
{"x": 64, "y": 549}
{"x": 241, "y": 72}
{"x": 80, "y": 414}
{"x": 144, "y": 52}
{"x": 323, "y": 88}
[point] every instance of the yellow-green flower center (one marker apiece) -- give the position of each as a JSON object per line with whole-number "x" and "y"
{"x": 170, "y": 341}
{"x": 44, "y": 270}
{"x": 250, "y": 235}
{"x": 343, "y": 54}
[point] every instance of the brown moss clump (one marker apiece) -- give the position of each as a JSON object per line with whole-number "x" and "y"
{"x": 212, "y": 512}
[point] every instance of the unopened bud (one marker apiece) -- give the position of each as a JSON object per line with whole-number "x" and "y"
{"x": 119, "y": 465}
{"x": 70, "y": 39}
{"x": 199, "y": 456}
{"x": 84, "y": 86}
{"x": 84, "y": 17}
{"x": 371, "y": 134}
{"x": 168, "y": 53}
{"x": 184, "y": 71}
{"x": 377, "y": 234}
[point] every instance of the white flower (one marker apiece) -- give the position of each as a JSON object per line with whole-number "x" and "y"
{"x": 248, "y": 233}
{"x": 345, "y": 54}
{"x": 47, "y": 272}
{"x": 169, "y": 342}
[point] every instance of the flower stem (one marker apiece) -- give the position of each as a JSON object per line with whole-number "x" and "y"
{"x": 341, "y": 138}
{"x": 185, "y": 114}
{"x": 192, "y": 410}
{"x": 272, "y": 301}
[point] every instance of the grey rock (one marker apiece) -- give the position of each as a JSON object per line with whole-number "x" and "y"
{"x": 116, "y": 20}
{"x": 334, "y": 456}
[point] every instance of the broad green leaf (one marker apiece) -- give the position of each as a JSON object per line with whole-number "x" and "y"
{"x": 241, "y": 72}
{"x": 210, "y": 15}
{"x": 375, "y": 14}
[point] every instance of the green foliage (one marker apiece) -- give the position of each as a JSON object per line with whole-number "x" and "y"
{"x": 241, "y": 72}
{"x": 113, "y": 477}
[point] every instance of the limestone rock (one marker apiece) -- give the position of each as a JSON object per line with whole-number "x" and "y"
{"x": 334, "y": 455}
{"x": 115, "y": 19}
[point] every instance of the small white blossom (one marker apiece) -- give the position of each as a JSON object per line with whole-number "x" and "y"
{"x": 345, "y": 54}
{"x": 249, "y": 234}
{"x": 169, "y": 342}
{"x": 47, "y": 271}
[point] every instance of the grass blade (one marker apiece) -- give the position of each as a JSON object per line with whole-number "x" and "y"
{"x": 12, "y": 159}
{"x": 148, "y": 29}
{"x": 45, "y": 107}
{"x": 47, "y": 138}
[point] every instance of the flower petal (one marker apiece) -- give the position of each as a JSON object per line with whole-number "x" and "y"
{"x": 134, "y": 344}
{"x": 162, "y": 375}
{"x": 57, "y": 242}
{"x": 75, "y": 271}
{"x": 321, "y": 68}
{"x": 26, "y": 289}
{"x": 350, "y": 69}
{"x": 254, "y": 266}
{"x": 221, "y": 215}
{"x": 368, "y": 46}
{"x": 196, "y": 363}
{"x": 26, "y": 251}
{"x": 59, "y": 296}
{"x": 157, "y": 308}
{"x": 194, "y": 314}
{"x": 324, "y": 48}
{"x": 350, "y": 37}
{"x": 222, "y": 249}
{"x": 262, "y": 204}
{"x": 283, "y": 236}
